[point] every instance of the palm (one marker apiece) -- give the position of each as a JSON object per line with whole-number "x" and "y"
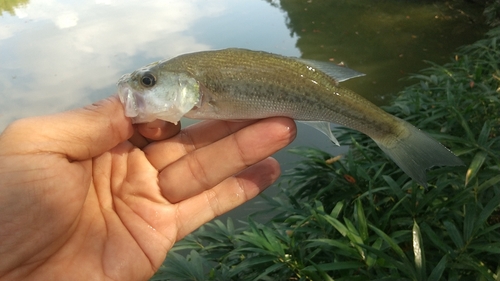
{"x": 115, "y": 215}
{"x": 124, "y": 223}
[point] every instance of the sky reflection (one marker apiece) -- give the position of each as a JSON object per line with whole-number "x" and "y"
{"x": 63, "y": 54}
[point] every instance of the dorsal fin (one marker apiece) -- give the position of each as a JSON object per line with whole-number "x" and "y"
{"x": 337, "y": 72}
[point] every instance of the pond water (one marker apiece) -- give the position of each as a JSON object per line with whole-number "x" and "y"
{"x": 57, "y": 55}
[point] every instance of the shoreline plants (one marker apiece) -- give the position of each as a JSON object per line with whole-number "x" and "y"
{"x": 360, "y": 217}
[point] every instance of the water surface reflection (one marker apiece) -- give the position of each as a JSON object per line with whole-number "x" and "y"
{"x": 60, "y": 54}
{"x": 385, "y": 39}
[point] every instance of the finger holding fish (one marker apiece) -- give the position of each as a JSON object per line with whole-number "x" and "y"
{"x": 157, "y": 130}
{"x": 229, "y": 156}
{"x": 162, "y": 153}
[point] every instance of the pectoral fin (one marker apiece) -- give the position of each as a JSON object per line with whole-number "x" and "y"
{"x": 323, "y": 127}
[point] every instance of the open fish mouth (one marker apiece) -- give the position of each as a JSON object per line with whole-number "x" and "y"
{"x": 165, "y": 103}
{"x": 135, "y": 104}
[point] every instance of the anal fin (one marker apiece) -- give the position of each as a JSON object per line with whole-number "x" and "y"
{"x": 323, "y": 127}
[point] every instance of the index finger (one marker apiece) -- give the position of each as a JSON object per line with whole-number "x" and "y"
{"x": 189, "y": 139}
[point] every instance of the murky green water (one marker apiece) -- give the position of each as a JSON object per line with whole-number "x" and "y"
{"x": 56, "y": 54}
{"x": 387, "y": 40}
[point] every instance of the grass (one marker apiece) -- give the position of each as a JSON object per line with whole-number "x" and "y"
{"x": 359, "y": 217}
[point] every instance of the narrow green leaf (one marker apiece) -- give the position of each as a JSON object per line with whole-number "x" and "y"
{"x": 475, "y": 165}
{"x": 337, "y": 224}
{"x": 343, "y": 247}
{"x": 490, "y": 247}
{"x": 488, "y": 229}
{"x": 230, "y": 226}
{"x": 275, "y": 244}
{"x": 418, "y": 251}
{"x": 436, "y": 239}
{"x": 491, "y": 182}
{"x": 479, "y": 266}
{"x": 379, "y": 171}
{"x": 336, "y": 210}
{"x": 487, "y": 210}
{"x": 469, "y": 220}
{"x": 463, "y": 122}
{"x": 325, "y": 277}
{"x": 453, "y": 276}
{"x": 354, "y": 237}
{"x": 431, "y": 196}
{"x": 270, "y": 269}
{"x": 485, "y": 133}
{"x": 391, "y": 262}
{"x": 352, "y": 233}
{"x": 333, "y": 266}
{"x": 253, "y": 251}
{"x": 454, "y": 234}
{"x": 256, "y": 240}
{"x": 437, "y": 272}
{"x": 257, "y": 260}
{"x": 394, "y": 245}
{"x": 361, "y": 220}
{"x": 396, "y": 188}
{"x": 253, "y": 261}
{"x": 180, "y": 268}
{"x": 220, "y": 225}
{"x": 371, "y": 258}
{"x": 317, "y": 274}
{"x": 213, "y": 236}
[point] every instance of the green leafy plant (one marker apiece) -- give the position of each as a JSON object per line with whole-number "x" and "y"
{"x": 359, "y": 217}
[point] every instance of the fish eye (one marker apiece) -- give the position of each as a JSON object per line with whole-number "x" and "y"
{"x": 148, "y": 80}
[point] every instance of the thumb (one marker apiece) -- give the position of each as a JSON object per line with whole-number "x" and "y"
{"x": 79, "y": 134}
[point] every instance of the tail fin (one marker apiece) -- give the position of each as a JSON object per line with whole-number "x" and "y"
{"x": 417, "y": 152}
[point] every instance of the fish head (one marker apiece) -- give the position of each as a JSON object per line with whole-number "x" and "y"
{"x": 151, "y": 93}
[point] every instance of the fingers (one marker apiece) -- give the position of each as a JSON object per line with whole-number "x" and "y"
{"x": 226, "y": 196}
{"x": 205, "y": 133}
{"x": 207, "y": 166}
{"x": 158, "y": 130}
{"x": 153, "y": 131}
{"x": 160, "y": 154}
{"x": 79, "y": 134}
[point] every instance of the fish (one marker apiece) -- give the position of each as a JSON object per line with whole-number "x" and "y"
{"x": 241, "y": 84}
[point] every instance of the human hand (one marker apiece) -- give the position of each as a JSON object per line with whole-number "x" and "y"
{"x": 80, "y": 202}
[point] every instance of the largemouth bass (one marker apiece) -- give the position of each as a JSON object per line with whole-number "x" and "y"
{"x": 234, "y": 84}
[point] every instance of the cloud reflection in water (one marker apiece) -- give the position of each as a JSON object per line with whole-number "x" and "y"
{"x": 61, "y": 54}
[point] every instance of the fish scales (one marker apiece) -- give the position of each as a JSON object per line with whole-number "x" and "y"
{"x": 234, "y": 84}
{"x": 270, "y": 85}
